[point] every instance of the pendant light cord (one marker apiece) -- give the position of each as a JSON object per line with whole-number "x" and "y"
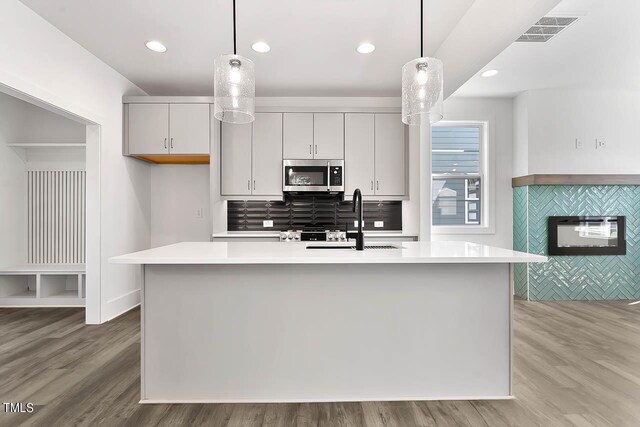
{"x": 234, "y": 28}
{"x": 421, "y": 29}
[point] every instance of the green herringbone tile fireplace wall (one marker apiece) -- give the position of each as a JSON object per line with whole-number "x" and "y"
{"x": 520, "y": 239}
{"x": 575, "y": 277}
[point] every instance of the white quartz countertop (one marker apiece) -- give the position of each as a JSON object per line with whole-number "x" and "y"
{"x": 265, "y": 234}
{"x": 297, "y": 253}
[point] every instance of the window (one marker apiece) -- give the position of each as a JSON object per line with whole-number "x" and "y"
{"x": 458, "y": 180}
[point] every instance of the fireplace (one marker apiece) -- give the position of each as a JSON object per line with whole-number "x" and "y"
{"x": 587, "y": 235}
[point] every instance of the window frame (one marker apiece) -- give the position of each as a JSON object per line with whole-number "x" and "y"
{"x": 486, "y": 175}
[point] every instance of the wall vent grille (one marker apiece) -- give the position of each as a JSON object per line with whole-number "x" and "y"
{"x": 56, "y": 217}
{"x": 546, "y": 28}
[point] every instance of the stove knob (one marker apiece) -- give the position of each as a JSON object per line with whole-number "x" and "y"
{"x": 330, "y": 236}
{"x": 297, "y": 237}
{"x": 289, "y": 236}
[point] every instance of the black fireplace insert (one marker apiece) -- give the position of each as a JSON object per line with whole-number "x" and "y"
{"x": 587, "y": 235}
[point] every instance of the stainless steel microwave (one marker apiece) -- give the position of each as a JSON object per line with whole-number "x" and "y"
{"x": 313, "y": 176}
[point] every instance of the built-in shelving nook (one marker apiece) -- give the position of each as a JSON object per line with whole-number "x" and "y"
{"x": 42, "y": 253}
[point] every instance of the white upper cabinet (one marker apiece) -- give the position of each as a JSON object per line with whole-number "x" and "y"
{"x": 251, "y": 157}
{"x": 298, "y": 136}
{"x": 390, "y": 151}
{"x": 235, "y": 158}
{"x": 189, "y": 128}
{"x": 359, "y": 153}
{"x": 313, "y": 136}
{"x": 328, "y": 136}
{"x": 157, "y": 129}
{"x": 267, "y": 154}
{"x": 148, "y": 129}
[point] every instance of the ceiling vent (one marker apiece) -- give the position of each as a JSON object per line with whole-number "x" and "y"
{"x": 546, "y": 29}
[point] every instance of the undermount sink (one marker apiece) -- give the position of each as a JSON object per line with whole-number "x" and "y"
{"x": 350, "y": 246}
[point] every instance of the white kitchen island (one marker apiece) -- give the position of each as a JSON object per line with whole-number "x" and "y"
{"x": 277, "y": 322}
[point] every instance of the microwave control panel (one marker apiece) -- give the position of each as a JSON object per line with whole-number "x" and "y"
{"x": 335, "y": 176}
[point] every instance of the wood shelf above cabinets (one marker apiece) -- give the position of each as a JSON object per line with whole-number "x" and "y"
{"x": 577, "y": 179}
{"x": 176, "y": 160}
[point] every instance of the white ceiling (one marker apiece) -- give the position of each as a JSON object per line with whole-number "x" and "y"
{"x": 602, "y": 49}
{"x": 312, "y": 41}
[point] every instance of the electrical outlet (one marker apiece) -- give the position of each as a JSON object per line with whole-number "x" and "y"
{"x": 267, "y": 223}
{"x": 579, "y": 144}
{"x": 378, "y": 224}
{"x": 199, "y": 213}
{"x": 600, "y": 144}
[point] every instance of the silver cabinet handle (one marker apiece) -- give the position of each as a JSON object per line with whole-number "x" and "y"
{"x": 371, "y": 184}
{"x": 165, "y": 143}
{"x": 249, "y": 185}
{"x": 316, "y": 148}
{"x": 254, "y": 184}
{"x": 377, "y": 185}
{"x": 310, "y": 149}
{"x": 171, "y": 142}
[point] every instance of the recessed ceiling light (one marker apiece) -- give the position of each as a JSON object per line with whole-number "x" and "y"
{"x": 366, "y": 48}
{"x": 261, "y": 47}
{"x": 156, "y": 46}
{"x": 489, "y": 73}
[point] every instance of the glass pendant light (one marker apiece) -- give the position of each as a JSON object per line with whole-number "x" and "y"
{"x": 234, "y": 84}
{"x": 422, "y": 86}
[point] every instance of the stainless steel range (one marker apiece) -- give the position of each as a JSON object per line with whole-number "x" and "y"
{"x": 313, "y": 234}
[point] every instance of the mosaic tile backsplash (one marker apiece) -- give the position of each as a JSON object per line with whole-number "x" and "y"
{"x": 575, "y": 277}
{"x": 296, "y": 212}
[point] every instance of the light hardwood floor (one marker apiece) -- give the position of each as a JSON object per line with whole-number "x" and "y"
{"x": 576, "y": 363}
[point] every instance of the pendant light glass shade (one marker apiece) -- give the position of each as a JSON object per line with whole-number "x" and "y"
{"x": 234, "y": 89}
{"x": 422, "y": 88}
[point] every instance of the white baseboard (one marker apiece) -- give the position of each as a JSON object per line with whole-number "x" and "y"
{"x": 120, "y": 305}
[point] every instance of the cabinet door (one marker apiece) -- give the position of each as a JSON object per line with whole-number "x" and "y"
{"x": 298, "y": 136}
{"x": 148, "y": 128}
{"x": 235, "y": 158}
{"x": 189, "y": 128}
{"x": 267, "y": 154}
{"x": 390, "y": 149}
{"x": 359, "y": 153}
{"x": 328, "y": 136}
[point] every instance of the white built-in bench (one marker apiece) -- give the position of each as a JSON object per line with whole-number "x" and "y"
{"x": 43, "y": 285}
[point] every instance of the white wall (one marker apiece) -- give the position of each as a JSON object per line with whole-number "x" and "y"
{"x": 39, "y": 61}
{"x": 556, "y": 117}
{"x": 499, "y": 113}
{"x": 177, "y": 192}
{"x": 521, "y": 134}
{"x": 13, "y": 185}
{"x": 24, "y": 122}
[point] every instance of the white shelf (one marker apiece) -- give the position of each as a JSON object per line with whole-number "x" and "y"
{"x": 41, "y": 285}
{"x": 44, "y": 269}
{"x": 47, "y": 144}
{"x": 65, "y": 294}
{"x": 7, "y": 302}
{"x": 22, "y": 148}
{"x": 25, "y": 294}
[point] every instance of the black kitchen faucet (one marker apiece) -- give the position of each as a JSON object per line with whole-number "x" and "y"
{"x": 359, "y": 236}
